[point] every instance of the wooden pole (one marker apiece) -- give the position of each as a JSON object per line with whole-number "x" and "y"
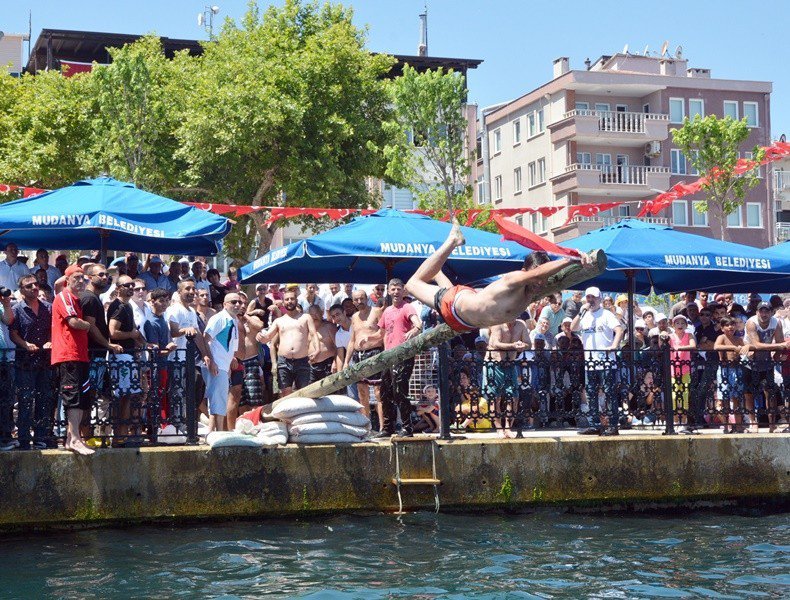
{"x": 568, "y": 278}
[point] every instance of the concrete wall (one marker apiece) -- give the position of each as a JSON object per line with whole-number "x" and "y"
{"x": 54, "y": 488}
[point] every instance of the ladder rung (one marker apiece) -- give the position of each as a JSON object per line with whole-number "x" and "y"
{"x": 417, "y": 481}
{"x": 411, "y": 440}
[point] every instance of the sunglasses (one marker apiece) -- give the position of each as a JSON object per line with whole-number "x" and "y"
{"x": 102, "y": 274}
{"x": 139, "y": 289}
{"x": 235, "y": 301}
{"x": 30, "y": 286}
{"x": 128, "y": 286}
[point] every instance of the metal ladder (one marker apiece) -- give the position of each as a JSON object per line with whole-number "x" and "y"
{"x": 399, "y": 481}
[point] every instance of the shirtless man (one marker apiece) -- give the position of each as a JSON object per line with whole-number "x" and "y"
{"x": 245, "y": 382}
{"x": 366, "y": 340}
{"x": 731, "y": 348}
{"x": 500, "y": 379}
{"x": 297, "y": 344}
{"x": 321, "y": 364}
{"x": 464, "y": 308}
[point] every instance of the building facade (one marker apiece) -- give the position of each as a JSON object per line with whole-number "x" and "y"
{"x": 780, "y": 178}
{"x": 11, "y": 49}
{"x": 603, "y": 134}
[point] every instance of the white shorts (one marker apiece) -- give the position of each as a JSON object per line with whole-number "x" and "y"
{"x": 217, "y": 392}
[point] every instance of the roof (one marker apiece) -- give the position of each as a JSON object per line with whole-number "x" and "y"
{"x": 90, "y": 46}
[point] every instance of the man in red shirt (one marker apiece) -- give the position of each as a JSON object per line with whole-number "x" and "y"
{"x": 70, "y": 356}
{"x": 400, "y": 323}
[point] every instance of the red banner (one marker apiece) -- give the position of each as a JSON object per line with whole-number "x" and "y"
{"x": 515, "y": 233}
{"x": 589, "y": 210}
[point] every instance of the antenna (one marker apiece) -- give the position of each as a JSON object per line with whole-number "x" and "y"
{"x": 646, "y": 52}
{"x": 625, "y": 49}
{"x": 206, "y": 19}
{"x": 679, "y": 52}
{"x": 422, "y": 48}
{"x": 664, "y": 47}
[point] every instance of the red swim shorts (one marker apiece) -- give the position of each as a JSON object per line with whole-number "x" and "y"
{"x": 444, "y": 303}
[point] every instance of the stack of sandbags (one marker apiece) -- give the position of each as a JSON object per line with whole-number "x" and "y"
{"x": 250, "y": 430}
{"x": 330, "y": 419}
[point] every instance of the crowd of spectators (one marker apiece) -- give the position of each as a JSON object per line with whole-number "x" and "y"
{"x": 93, "y": 353}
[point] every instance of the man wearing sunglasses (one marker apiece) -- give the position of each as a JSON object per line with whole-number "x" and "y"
{"x": 222, "y": 338}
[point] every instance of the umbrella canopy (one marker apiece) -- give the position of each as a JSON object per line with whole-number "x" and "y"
{"x": 388, "y": 243}
{"x": 672, "y": 261}
{"x": 106, "y": 214}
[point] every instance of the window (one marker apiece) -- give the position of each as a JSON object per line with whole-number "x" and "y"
{"x": 541, "y": 121}
{"x": 498, "y": 187}
{"x": 696, "y": 107}
{"x": 520, "y": 220}
{"x": 583, "y": 158}
{"x": 531, "y": 123}
{"x": 481, "y": 192}
{"x": 541, "y": 170}
{"x": 603, "y": 106}
{"x": 731, "y": 109}
{"x": 678, "y": 162}
{"x": 676, "y": 110}
{"x": 750, "y": 156}
{"x": 734, "y": 219}
{"x": 604, "y": 162}
{"x": 691, "y": 168}
{"x": 582, "y": 106}
{"x": 750, "y": 112}
{"x": 754, "y": 216}
{"x": 497, "y": 141}
{"x": 698, "y": 219}
{"x": 532, "y": 170}
{"x": 680, "y": 213}
{"x": 539, "y": 222}
{"x": 516, "y": 131}
{"x": 517, "y": 180}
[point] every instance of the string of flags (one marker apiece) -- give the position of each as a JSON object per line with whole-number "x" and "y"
{"x": 654, "y": 206}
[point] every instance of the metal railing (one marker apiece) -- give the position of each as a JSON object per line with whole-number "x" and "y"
{"x": 611, "y": 391}
{"x": 617, "y": 121}
{"x": 610, "y": 220}
{"x": 782, "y": 232}
{"x": 618, "y": 174}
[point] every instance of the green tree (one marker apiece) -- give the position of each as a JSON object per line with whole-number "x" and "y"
{"x": 286, "y": 109}
{"x": 44, "y": 129}
{"x": 138, "y": 99}
{"x": 428, "y": 154}
{"x": 711, "y": 145}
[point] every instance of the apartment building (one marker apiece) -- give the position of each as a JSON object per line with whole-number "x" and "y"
{"x": 781, "y": 183}
{"x": 11, "y": 49}
{"x": 603, "y": 134}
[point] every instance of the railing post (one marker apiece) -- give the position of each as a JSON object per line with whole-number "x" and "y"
{"x": 669, "y": 413}
{"x": 445, "y": 406}
{"x": 189, "y": 392}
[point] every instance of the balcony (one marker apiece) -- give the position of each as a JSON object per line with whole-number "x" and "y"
{"x": 610, "y": 128}
{"x": 782, "y": 232}
{"x": 782, "y": 189}
{"x": 632, "y": 181}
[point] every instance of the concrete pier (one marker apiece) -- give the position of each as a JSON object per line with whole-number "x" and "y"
{"x": 53, "y": 488}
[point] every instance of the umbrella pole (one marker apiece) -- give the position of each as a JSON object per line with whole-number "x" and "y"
{"x": 103, "y": 237}
{"x": 631, "y": 276}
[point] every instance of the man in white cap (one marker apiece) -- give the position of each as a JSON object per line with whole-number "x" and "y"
{"x": 154, "y": 278}
{"x": 601, "y": 333}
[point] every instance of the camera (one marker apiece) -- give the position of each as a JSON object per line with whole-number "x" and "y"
{"x": 4, "y": 292}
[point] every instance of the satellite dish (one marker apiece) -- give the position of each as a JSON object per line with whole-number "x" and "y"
{"x": 625, "y": 49}
{"x": 200, "y": 20}
{"x": 679, "y": 52}
{"x": 646, "y": 50}
{"x": 215, "y": 9}
{"x": 664, "y": 47}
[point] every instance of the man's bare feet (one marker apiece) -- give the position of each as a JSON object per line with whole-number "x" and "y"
{"x": 456, "y": 237}
{"x": 78, "y": 447}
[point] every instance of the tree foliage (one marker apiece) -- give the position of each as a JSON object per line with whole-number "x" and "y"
{"x": 428, "y": 153}
{"x": 712, "y": 146}
{"x": 287, "y": 107}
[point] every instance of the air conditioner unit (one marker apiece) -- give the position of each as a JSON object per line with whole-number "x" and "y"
{"x": 653, "y": 149}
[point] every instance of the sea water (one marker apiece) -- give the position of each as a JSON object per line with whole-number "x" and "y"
{"x": 419, "y": 555}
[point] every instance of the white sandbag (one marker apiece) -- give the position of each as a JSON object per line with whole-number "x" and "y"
{"x": 273, "y": 440}
{"x": 297, "y": 431}
{"x": 170, "y": 435}
{"x": 248, "y": 427}
{"x": 273, "y": 428}
{"x": 226, "y": 439}
{"x": 357, "y": 419}
{"x": 293, "y": 407}
{"x": 327, "y": 438}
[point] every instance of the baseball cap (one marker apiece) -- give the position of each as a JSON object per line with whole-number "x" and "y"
{"x": 763, "y": 305}
{"x": 660, "y": 317}
{"x": 621, "y": 298}
{"x": 479, "y": 339}
{"x": 567, "y": 320}
{"x": 679, "y": 317}
{"x": 640, "y": 323}
{"x": 540, "y": 336}
{"x": 592, "y": 291}
{"x": 155, "y": 259}
{"x": 649, "y": 309}
{"x": 72, "y": 269}
{"x": 184, "y": 260}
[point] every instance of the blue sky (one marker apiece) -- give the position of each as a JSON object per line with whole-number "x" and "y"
{"x": 517, "y": 39}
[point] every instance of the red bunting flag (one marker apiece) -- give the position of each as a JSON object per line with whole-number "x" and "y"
{"x": 515, "y": 233}
{"x": 589, "y": 210}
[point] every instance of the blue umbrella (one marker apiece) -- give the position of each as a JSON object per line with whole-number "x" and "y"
{"x": 671, "y": 261}
{"x": 102, "y": 214}
{"x": 385, "y": 244}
